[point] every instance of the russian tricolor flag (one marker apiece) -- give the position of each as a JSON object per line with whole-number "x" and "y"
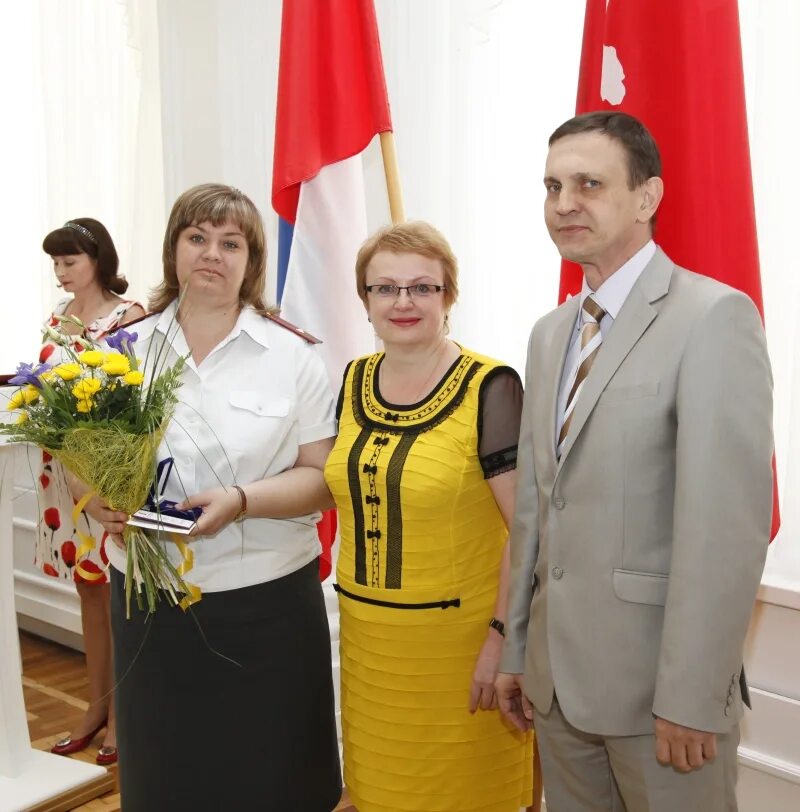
{"x": 332, "y": 101}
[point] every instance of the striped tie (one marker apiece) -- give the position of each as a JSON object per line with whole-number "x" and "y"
{"x": 591, "y": 339}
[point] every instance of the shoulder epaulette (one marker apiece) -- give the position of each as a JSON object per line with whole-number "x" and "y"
{"x": 292, "y": 328}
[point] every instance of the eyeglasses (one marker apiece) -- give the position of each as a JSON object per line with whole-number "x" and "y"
{"x": 421, "y": 289}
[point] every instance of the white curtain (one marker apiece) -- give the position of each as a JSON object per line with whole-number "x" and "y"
{"x": 219, "y": 82}
{"x": 22, "y": 199}
{"x": 770, "y": 30}
{"x": 82, "y": 137}
{"x": 475, "y": 88}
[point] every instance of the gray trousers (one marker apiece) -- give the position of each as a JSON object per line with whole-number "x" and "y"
{"x": 583, "y": 772}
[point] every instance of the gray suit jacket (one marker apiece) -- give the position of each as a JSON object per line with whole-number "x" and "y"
{"x": 636, "y": 557}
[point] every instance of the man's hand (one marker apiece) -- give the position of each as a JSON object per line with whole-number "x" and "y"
{"x": 514, "y": 705}
{"x": 685, "y": 748}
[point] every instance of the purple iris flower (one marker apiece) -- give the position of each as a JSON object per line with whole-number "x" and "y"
{"x": 121, "y": 340}
{"x": 27, "y": 373}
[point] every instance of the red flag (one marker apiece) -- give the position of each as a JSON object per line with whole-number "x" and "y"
{"x": 331, "y": 102}
{"x": 677, "y": 66}
{"x": 326, "y": 530}
{"x": 331, "y": 91}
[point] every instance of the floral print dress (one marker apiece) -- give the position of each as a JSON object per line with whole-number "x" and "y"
{"x": 57, "y": 541}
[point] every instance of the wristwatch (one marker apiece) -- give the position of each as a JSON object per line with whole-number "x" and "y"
{"x": 498, "y": 626}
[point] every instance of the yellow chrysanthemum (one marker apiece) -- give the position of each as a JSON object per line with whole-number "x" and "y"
{"x": 30, "y": 394}
{"x": 85, "y": 405}
{"x": 134, "y": 378}
{"x": 47, "y": 376}
{"x": 22, "y": 417}
{"x": 116, "y": 364}
{"x": 16, "y": 400}
{"x": 92, "y": 358}
{"x": 67, "y": 371}
{"x": 83, "y": 390}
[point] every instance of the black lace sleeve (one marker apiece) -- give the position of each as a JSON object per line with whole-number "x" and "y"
{"x": 340, "y": 399}
{"x": 499, "y": 414}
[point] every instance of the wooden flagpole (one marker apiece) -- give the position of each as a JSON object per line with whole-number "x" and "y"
{"x": 392, "y": 173}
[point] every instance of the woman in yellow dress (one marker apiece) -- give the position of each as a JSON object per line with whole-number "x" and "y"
{"x": 423, "y": 474}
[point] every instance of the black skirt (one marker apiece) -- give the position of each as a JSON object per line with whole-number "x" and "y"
{"x": 198, "y": 732}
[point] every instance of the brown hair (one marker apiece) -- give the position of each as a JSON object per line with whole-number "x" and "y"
{"x": 413, "y": 237}
{"x": 217, "y": 204}
{"x": 84, "y": 235}
{"x": 644, "y": 160}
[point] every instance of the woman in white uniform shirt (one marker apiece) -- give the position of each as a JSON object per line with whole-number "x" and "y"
{"x": 196, "y": 730}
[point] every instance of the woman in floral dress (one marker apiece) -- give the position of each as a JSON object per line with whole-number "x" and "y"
{"x": 86, "y": 265}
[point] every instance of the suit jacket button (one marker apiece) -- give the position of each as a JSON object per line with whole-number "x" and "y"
{"x": 557, "y": 573}
{"x": 559, "y": 502}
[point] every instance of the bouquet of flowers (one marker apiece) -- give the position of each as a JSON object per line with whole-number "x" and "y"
{"x": 97, "y": 415}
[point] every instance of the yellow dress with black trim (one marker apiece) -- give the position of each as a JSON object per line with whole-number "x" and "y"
{"x": 418, "y": 570}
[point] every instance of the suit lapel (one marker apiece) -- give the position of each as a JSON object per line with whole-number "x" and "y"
{"x": 634, "y": 318}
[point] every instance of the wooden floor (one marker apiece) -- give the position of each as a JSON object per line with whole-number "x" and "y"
{"x": 56, "y": 694}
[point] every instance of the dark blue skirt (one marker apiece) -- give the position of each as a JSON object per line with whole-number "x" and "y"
{"x": 198, "y": 732}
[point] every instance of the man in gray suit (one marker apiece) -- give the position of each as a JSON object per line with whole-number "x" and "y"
{"x": 643, "y": 503}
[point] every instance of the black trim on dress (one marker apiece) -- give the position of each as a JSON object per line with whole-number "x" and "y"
{"x": 369, "y": 411}
{"x": 446, "y": 604}
{"x": 498, "y": 462}
{"x": 394, "y": 513}
{"x": 358, "y": 509}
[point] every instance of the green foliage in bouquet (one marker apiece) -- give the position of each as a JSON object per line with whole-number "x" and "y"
{"x": 98, "y": 415}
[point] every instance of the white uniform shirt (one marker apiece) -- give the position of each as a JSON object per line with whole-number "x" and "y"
{"x": 241, "y": 416}
{"x": 611, "y": 295}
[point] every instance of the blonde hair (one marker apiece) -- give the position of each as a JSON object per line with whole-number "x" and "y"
{"x": 217, "y": 204}
{"x": 413, "y": 237}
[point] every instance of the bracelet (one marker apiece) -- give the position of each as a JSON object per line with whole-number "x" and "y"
{"x": 498, "y": 626}
{"x": 242, "y": 504}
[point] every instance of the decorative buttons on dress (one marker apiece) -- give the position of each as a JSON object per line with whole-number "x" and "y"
{"x": 559, "y": 502}
{"x": 557, "y": 573}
